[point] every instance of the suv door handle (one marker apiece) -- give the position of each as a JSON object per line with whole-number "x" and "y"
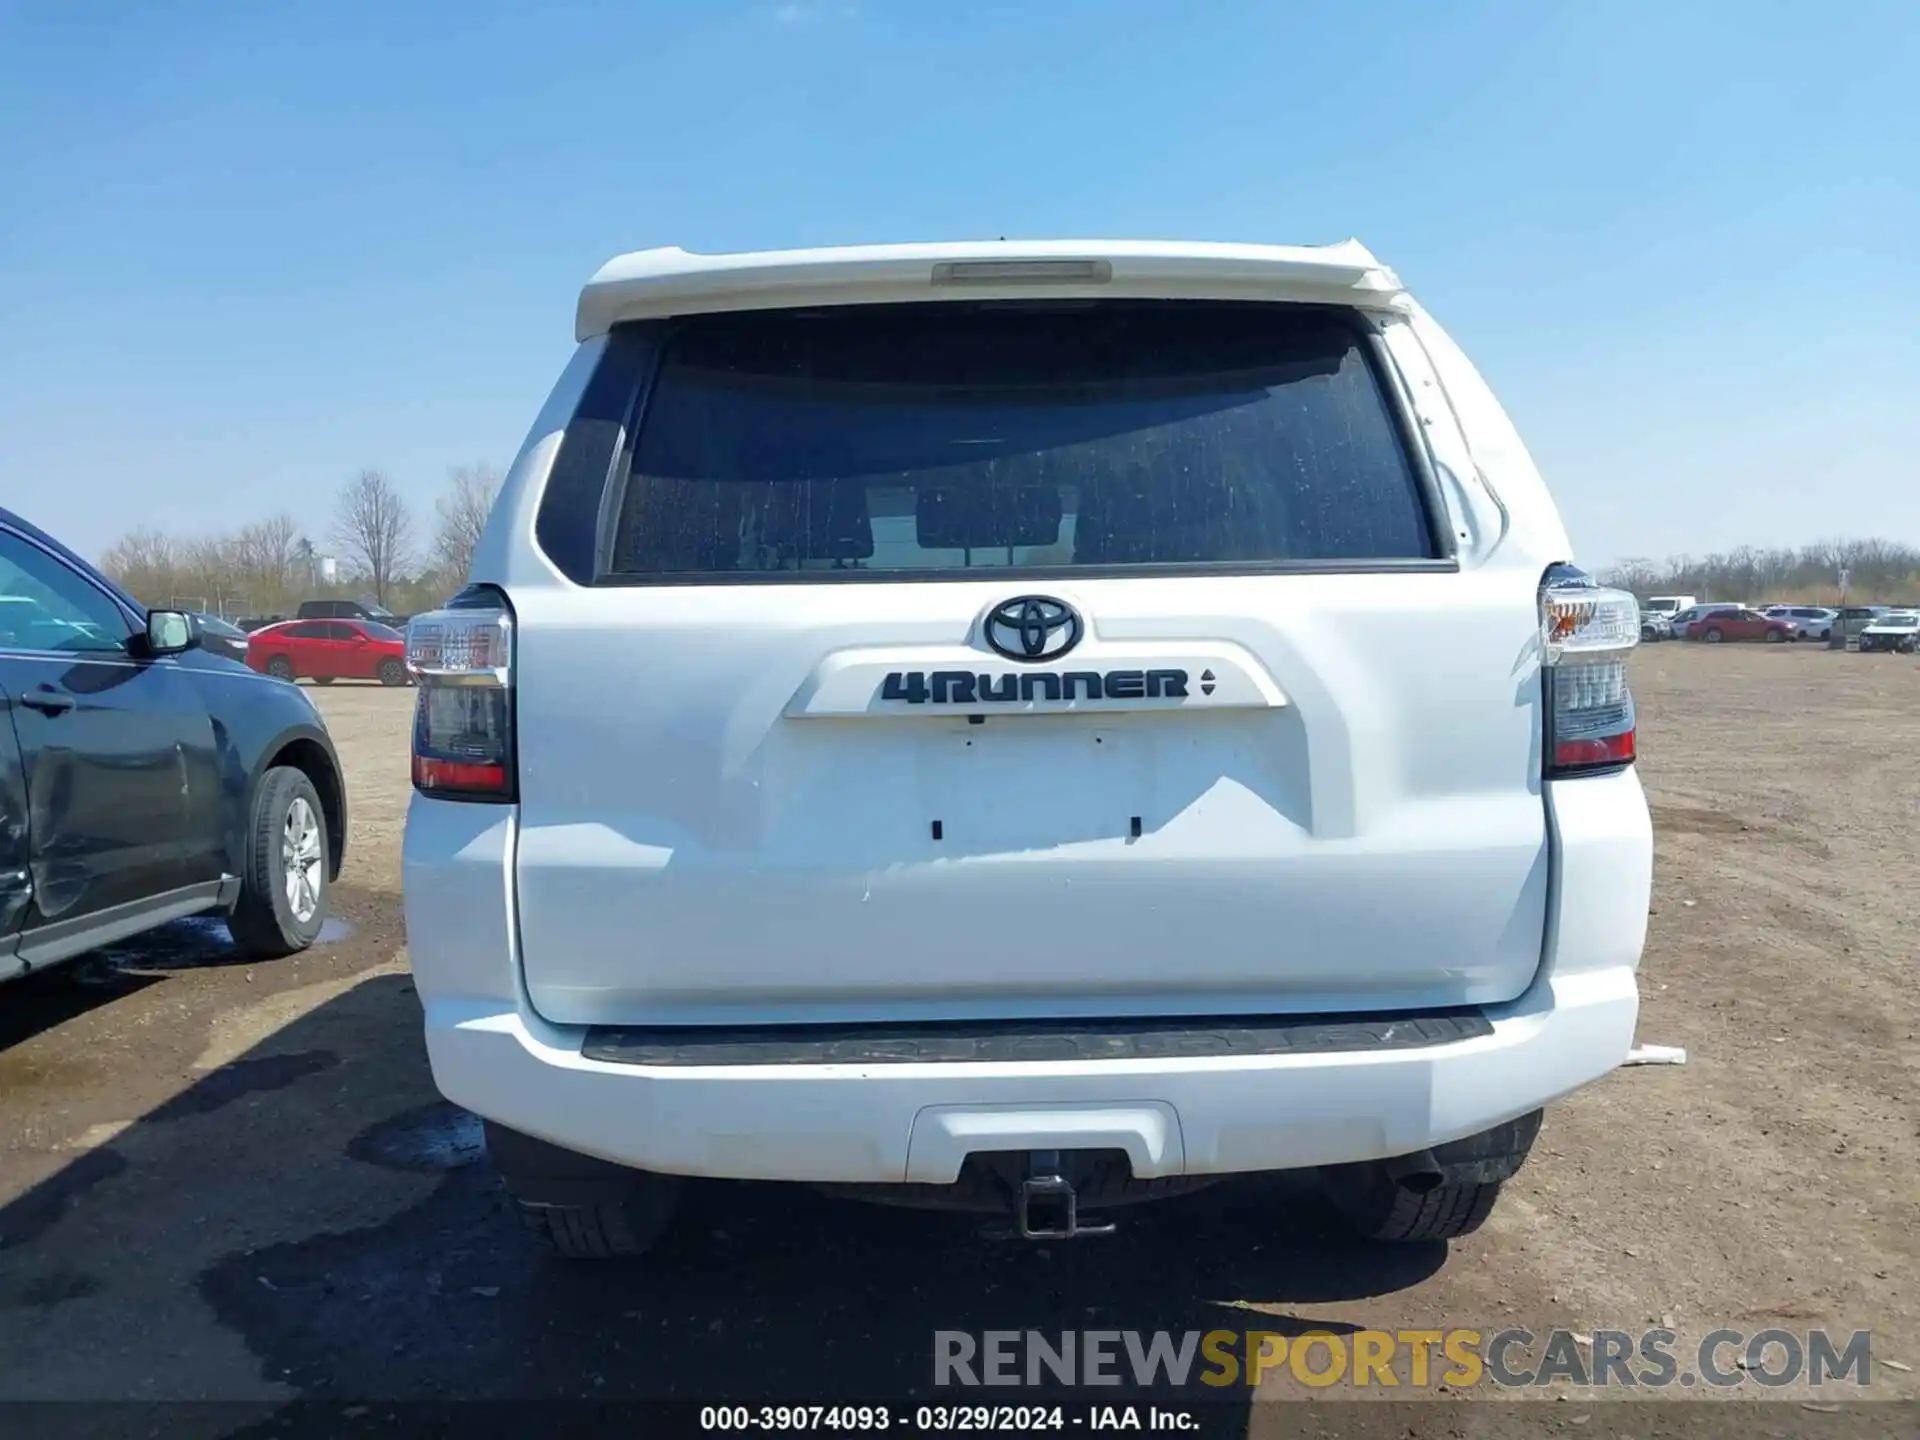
{"x": 47, "y": 700}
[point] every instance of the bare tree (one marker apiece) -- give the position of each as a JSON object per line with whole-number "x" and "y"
{"x": 463, "y": 509}
{"x": 374, "y": 529}
{"x": 146, "y": 561}
{"x": 1879, "y": 571}
{"x": 266, "y": 560}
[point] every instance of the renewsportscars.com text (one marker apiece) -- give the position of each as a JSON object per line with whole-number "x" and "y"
{"x": 1458, "y": 1359}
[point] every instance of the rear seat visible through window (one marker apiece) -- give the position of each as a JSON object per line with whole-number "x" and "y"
{"x": 926, "y": 439}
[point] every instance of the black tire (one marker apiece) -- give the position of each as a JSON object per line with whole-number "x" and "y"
{"x": 323, "y": 679}
{"x": 600, "y": 1232}
{"x": 280, "y": 667}
{"x": 581, "y": 1207}
{"x": 266, "y": 922}
{"x": 1376, "y": 1206}
{"x": 392, "y": 672}
{"x": 1712, "y": 635}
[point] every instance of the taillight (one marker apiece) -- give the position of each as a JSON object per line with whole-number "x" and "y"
{"x": 462, "y": 661}
{"x": 1586, "y": 632}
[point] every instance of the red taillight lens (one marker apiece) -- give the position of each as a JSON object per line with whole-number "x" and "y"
{"x": 464, "y": 775}
{"x": 1583, "y": 754}
{"x": 462, "y": 661}
{"x": 1587, "y": 633}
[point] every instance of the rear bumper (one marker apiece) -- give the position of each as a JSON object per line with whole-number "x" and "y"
{"x": 917, "y": 1121}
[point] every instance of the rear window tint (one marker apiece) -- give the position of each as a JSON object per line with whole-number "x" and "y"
{"x": 947, "y": 438}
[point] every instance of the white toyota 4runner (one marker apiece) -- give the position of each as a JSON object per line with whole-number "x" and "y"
{"x": 1021, "y": 726}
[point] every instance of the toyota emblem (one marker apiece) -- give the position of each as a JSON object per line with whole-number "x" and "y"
{"x": 1032, "y": 627}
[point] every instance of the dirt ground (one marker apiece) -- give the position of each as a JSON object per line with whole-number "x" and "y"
{"x": 231, "y": 1181}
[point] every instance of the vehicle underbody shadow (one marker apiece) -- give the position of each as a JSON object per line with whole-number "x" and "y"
{"x": 384, "y": 1264}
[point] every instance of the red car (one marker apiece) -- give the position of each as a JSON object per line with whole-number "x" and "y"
{"x": 329, "y": 650}
{"x": 1736, "y": 622}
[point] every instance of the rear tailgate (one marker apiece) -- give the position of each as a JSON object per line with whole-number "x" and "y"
{"x": 813, "y": 750}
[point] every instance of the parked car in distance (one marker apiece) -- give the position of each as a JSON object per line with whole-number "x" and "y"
{"x": 1852, "y": 619}
{"x": 1682, "y": 618}
{"x": 221, "y": 637}
{"x": 1655, "y": 627}
{"x": 1737, "y": 622}
{"x": 349, "y": 610}
{"x": 1669, "y": 605}
{"x": 1814, "y": 622}
{"x": 770, "y": 886}
{"x": 1896, "y": 630}
{"x": 162, "y": 781}
{"x": 328, "y": 650}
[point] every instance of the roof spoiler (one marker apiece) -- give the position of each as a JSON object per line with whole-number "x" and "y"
{"x": 650, "y": 284}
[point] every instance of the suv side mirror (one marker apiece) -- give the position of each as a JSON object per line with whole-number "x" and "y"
{"x": 170, "y": 631}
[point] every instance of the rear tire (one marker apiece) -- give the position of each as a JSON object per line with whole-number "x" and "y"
{"x": 1775, "y": 637}
{"x": 1713, "y": 636}
{"x": 280, "y": 913}
{"x": 280, "y": 667}
{"x": 580, "y": 1207}
{"x": 597, "y": 1232}
{"x": 392, "y": 672}
{"x": 1376, "y": 1206}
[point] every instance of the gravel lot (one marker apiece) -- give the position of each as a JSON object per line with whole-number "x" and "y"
{"x": 232, "y": 1181}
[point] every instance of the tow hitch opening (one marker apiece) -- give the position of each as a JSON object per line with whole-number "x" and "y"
{"x": 1046, "y": 1206}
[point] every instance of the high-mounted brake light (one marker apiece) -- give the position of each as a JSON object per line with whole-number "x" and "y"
{"x": 1023, "y": 272}
{"x": 1586, "y": 634}
{"x": 462, "y": 660}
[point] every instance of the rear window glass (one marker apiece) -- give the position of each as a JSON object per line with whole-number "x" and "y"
{"x": 948, "y": 438}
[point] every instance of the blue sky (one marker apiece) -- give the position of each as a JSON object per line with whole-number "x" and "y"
{"x": 246, "y": 250}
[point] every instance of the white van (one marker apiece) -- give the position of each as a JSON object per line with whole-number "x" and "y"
{"x": 1026, "y": 726}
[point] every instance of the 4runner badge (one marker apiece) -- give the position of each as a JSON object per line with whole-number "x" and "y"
{"x": 963, "y": 687}
{"x": 1035, "y": 628}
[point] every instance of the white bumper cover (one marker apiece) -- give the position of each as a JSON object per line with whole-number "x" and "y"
{"x": 919, "y": 1121}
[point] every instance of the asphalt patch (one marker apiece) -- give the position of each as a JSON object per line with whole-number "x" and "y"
{"x": 219, "y": 1088}
{"x": 758, "y": 1292}
{"x": 197, "y": 942}
{"x": 34, "y": 1213}
{"x": 425, "y": 1140}
{"x": 43, "y": 1292}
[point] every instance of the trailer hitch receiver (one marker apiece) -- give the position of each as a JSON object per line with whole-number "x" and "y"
{"x": 1046, "y": 1207}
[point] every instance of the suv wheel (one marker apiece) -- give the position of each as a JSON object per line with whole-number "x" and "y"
{"x": 580, "y": 1207}
{"x": 1450, "y": 1197}
{"x": 392, "y": 672}
{"x": 1775, "y": 637}
{"x": 1712, "y": 635}
{"x": 280, "y": 667}
{"x": 283, "y": 892}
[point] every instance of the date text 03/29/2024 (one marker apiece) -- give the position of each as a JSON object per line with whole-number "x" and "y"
{"x": 944, "y": 1419}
